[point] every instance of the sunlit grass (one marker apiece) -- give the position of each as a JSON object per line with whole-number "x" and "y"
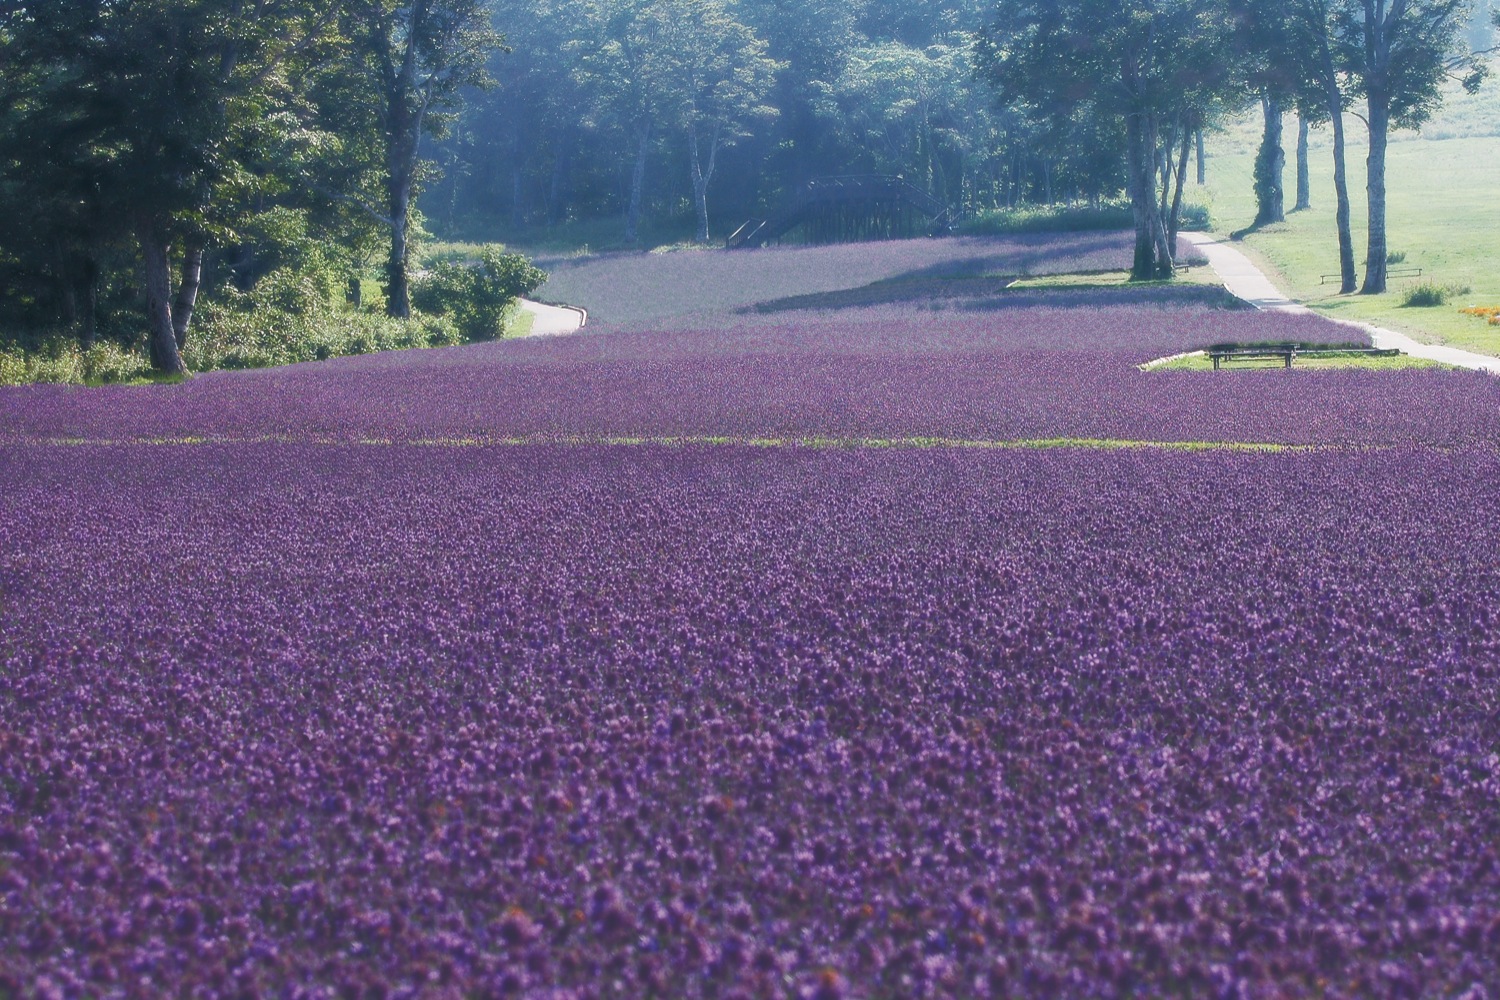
{"x": 1443, "y": 216}
{"x": 1199, "y": 361}
{"x": 812, "y": 442}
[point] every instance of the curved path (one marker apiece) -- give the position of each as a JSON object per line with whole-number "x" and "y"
{"x": 550, "y": 321}
{"x": 1246, "y": 281}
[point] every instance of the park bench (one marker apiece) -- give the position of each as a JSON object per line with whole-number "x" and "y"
{"x": 1285, "y": 352}
{"x": 1394, "y": 272}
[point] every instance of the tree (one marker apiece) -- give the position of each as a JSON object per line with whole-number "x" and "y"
{"x": 1270, "y": 163}
{"x": 1151, "y": 65}
{"x": 1304, "y": 176}
{"x": 414, "y": 58}
{"x": 722, "y": 78}
{"x": 146, "y": 112}
{"x": 1397, "y": 54}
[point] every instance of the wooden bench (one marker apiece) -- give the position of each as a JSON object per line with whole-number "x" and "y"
{"x": 1394, "y": 272}
{"x": 1284, "y": 352}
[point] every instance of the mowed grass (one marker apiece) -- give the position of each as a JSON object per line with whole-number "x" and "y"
{"x": 1199, "y": 361}
{"x": 1443, "y": 199}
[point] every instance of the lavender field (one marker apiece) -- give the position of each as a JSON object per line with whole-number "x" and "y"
{"x": 631, "y": 290}
{"x": 888, "y": 652}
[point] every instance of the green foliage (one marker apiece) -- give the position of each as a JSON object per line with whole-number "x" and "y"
{"x": 1067, "y": 218}
{"x": 1430, "y": 293}
{"x": 62, "y": 359}
{"x": 1111, "y": 215}
{"x": 478, "y": 296}
{"x": 246, "y": 333}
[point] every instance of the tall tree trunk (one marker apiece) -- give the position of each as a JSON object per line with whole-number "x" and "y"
{"x": 1161, "y": 158}
{"x": 1270, "y": 163}
{"x": 1140, "y": 140}
{"x": 1304, "y": 180}
{"x": 1202, "y": 166}
{"x": 1375, "y": 253}
{"x": 165, "y": 356}
{"x": 187, "y": 293}
{"x": 637, "y": 183}
{"x": 1175, "y": 219}
{"x": 1335, "y": 99}
{"x": 700, "y": 181}
{"x": 397, "y": 284}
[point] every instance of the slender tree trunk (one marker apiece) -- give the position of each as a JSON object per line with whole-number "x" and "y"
{"x": 1175, "y": 219}
{"x": 1164, "y": 168}
{"x": 165, "y": 356}
{"x": 1304, "y": 179}
{"x": 1202, "y": 166}
{"x": 1270, "y": 163}
{"x": 700, "y": 183}
{"x": 637, "y": 183}
{"x": 397, "y": 283}
{"x": 1335, "y": 98}
{"x": 187, "y": 294}
{"x": 1160, "y": 158}
{"x": 1375, "y": 254}
{"x": 1150, "y": 239}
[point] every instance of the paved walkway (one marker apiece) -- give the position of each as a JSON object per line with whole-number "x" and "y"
{"x": 1245, "y": 280}
{"x": 550, "y": 321}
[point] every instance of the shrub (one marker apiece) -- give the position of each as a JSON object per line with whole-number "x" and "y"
{"x": 1065, "y": 218}
{"x": 477, "y": 295}
{"x": 59, "y": 358}
{"x": 1430, "y": 293}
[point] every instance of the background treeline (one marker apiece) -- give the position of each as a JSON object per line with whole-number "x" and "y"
{"x": 205, "y": 183}
{"x": 208, "y": 183}
{"x": 689, "y": 116}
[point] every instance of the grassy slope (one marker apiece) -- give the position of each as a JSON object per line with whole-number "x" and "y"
{"x": 1443, "y": 190}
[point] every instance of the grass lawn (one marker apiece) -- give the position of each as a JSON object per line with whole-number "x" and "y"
{"x": 1200, "y": 274}
{"x": 1444, "y": 215}
{"x": 1199, "y": 361}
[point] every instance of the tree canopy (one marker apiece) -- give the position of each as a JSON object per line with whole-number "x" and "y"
{"x": 152, "y": 149}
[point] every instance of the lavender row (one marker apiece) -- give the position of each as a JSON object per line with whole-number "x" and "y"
{"x": 978, "y": 378}
{"x": 288, "y": 719}
{"x": 630, "y": 290}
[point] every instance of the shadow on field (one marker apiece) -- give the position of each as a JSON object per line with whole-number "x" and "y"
{"x": 992, "y": 294}
{"x": 891, "y": 291}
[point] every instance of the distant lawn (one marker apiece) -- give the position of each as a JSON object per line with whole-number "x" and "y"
{"x": 1444, "y": 216}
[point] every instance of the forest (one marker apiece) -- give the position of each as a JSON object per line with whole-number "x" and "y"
{"x": 223, "y": 183}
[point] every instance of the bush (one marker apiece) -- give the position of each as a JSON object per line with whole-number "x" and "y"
{"x": 1064, "y": 218}
{"x": 60, "y": 358}
{"x": 243, "y": 333}
{"x": 1430, "y": 293}
{"x": 477, "y": 295}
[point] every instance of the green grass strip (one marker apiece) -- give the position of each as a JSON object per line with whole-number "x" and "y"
{"x": 815, "y": 442}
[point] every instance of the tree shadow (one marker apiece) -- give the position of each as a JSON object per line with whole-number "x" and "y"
{"x": 994, "y": 294}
